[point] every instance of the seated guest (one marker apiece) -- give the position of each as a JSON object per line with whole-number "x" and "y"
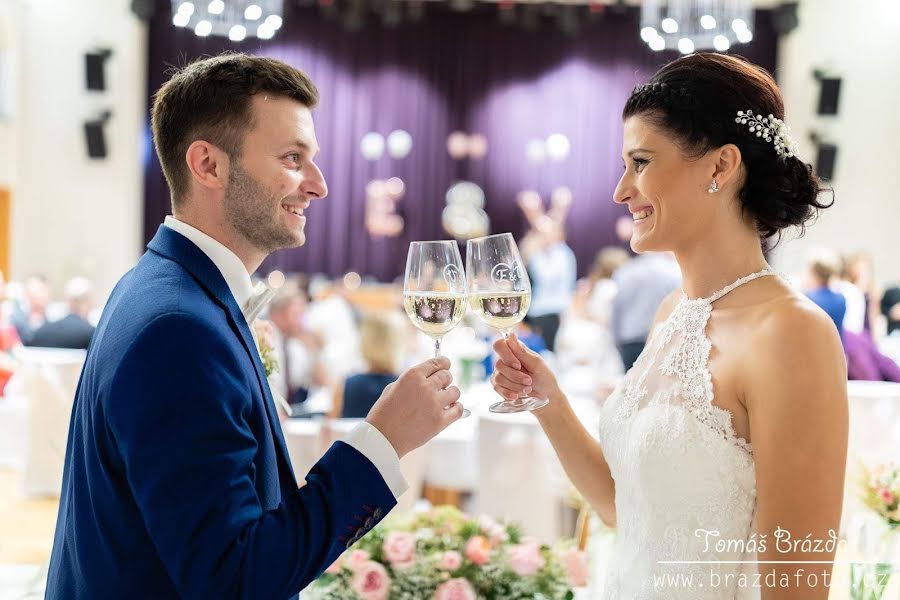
{"x": 32, "y": 312}
{"x": 72, "y": 331}
{"x": 381, "y": 341}
{"x": 298, "y": 351}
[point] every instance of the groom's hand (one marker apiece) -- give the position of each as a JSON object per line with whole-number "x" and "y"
{"x": 411, "y": 410}
{"x": 521, "y": 371}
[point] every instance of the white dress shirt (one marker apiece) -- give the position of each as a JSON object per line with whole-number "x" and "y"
{"x": 365, "y": 438}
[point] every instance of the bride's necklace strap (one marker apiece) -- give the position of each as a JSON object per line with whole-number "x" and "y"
{"x": 745, "y": 279}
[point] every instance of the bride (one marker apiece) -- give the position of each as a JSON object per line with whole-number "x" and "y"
{"x": 721, "y": 455}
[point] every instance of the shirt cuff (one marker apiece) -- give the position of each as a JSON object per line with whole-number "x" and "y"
{"x": 372, "y": 444}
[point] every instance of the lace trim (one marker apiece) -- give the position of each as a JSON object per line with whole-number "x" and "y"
{"x": 688, "y": 363}
{"x": 729, "y": 288}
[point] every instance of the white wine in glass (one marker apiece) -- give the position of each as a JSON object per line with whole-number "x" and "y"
{"x": 434, "y": 313}
{"x": 434, "y": 289}
{"x": 500, "y": 294}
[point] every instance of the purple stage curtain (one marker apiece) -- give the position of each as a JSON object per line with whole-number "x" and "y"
{"x": 450, "y": 71}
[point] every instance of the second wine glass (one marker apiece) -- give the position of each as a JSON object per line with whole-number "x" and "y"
{"x": 434, "y": 289}
{"x": 499, "y": 293}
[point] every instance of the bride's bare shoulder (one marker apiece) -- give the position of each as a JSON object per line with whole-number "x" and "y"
{"x": 791, "y": 330}
{"x": 788, "y": 313}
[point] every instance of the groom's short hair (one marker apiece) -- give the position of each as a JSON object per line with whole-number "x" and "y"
{"x": 209, "y": 100}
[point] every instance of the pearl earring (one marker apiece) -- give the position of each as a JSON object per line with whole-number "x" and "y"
{"x": 713, "y": 187}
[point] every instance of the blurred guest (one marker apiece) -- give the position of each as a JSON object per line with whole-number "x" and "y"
{"x": 586, "y": 353}
{"x": 381, "y": 343}
{"x": 603, "y": 288}
{"x": 890, "y": 308}
{"x": 9, "y": 339}
{"x": 860, "y": 271}
{"x": 298, "y": 351}
{"x": 855, "y": 317}
{"x": 331, "y": 316}
{"x": 643, "y": 283}
{"x": 31, "y": 314}
{"x": 823, "y": 267}
{"x": 552, "y": 270}
{"x": 864, "y": 361}
{"x": 550, "y": 262}
{"x": 74, "y": 330}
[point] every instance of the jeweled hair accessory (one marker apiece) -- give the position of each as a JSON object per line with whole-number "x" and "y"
{"x": 771, "y": 129}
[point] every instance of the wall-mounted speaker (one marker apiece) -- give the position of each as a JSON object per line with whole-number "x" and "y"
{"x": 93, "y": 62}
{"x": 95, "y": 137}
{"x": 826, "y": 156}
{"x": 829, "y": 95}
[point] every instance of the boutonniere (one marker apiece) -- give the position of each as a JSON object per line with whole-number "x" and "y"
{"x": 265, "y": 343}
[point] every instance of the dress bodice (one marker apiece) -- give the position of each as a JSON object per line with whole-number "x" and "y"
{"x": 685, "y": 483}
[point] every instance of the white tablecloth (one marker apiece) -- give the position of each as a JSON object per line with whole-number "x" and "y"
{"x": 874, "y": 421}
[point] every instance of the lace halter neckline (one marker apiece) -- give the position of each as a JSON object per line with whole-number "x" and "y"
{"x": 731, "y": 287}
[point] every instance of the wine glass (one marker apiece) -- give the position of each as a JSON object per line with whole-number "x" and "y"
{"x": 499, "y": 293}
{"x": 434, "y": 289}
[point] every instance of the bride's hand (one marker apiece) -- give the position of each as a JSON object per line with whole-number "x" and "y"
{"x": 520, "y": 371}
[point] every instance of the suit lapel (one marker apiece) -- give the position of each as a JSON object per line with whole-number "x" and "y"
{"x": 175, "y": 246}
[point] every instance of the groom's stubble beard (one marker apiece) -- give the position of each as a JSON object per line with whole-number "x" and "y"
{"x": 256, "y": 214}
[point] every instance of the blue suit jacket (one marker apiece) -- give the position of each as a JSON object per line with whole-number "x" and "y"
{"x": 177, "y": 481}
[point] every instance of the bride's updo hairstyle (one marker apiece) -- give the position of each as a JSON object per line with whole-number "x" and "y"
{"x": 697, "y": 98}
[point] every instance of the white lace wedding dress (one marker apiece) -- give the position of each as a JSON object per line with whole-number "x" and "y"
{"x": 680, "y": 472}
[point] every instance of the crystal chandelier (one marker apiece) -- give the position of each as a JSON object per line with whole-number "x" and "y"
{"x": 691, "y": 25}
{"x": 236, "y": 19}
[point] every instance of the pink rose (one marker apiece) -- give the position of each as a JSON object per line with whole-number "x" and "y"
{"x": 335, "y": 567}
{"x": 499, "y": 536}
{"x": 486, "y": 523}
{"x": 371, "y": 582}
{"x": 455, "y": 589}
{"x": 356, "y": 559}
{"x": 886, "y": 495}
{"x": 525, "y": 559}
{"x": 400, "y": 549}
{"x": 574, "y": 561}
{"x": 451, "y": 561}
{"x": 478, "y": 550}
{"x": 494, "y": 530}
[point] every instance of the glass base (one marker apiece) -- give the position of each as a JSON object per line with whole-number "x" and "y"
{"x": 465, "y": 413}
{"x": 519, "y": 405}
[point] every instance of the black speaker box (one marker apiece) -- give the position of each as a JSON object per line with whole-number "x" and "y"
{"x": 825, "y": 159}
{"x": 96, "y": 139}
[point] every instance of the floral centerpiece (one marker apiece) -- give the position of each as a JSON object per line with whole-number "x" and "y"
{"x": 443, "y": 555}
{"x": 880, "y": 490}
{"x": 878, "y": 532}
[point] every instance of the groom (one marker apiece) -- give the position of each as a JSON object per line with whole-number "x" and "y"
{"x": 177, "y": 480}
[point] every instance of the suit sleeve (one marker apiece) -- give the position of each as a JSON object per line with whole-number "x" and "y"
{"x": 178, "y": 410}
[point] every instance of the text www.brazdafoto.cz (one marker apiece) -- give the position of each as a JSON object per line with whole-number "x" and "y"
{"x": 715, "y": 580}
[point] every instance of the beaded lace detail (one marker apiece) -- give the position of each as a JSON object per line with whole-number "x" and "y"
{"x": 685, "y": 353}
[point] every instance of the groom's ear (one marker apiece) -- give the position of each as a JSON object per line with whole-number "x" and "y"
{"x": 208, "y": 165}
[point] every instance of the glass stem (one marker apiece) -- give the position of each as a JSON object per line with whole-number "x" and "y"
{"x": 522, "y": 397}
{"x": 437, "y": 347}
